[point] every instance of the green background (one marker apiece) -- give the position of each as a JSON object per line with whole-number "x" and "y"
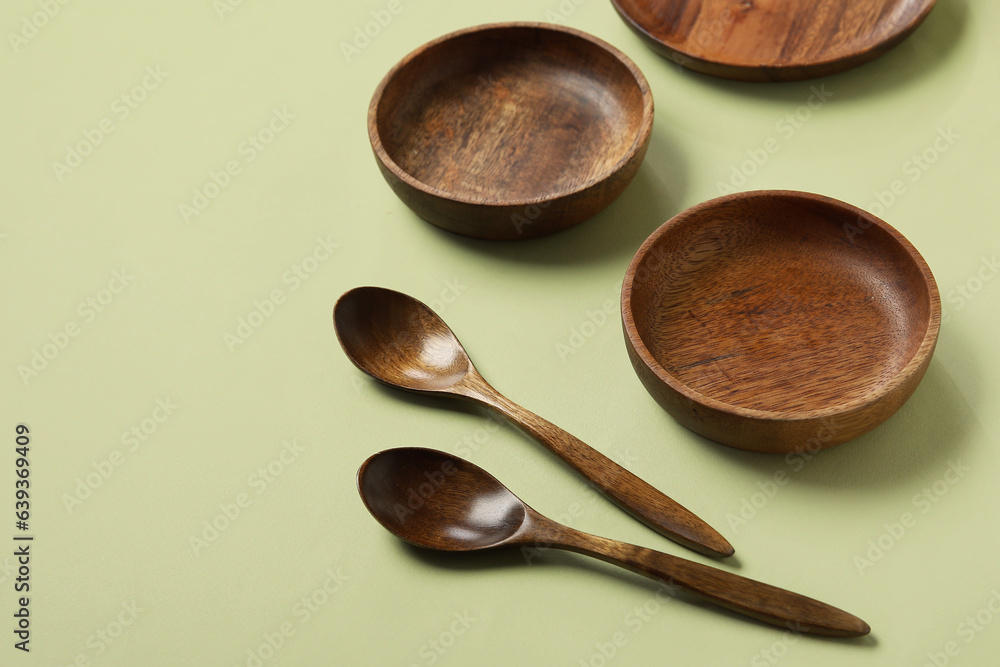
{"x": 107, "y": 543}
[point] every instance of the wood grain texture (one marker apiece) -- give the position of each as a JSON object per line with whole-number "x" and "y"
{"x": 779, "y": 321}
{"x": 745, "y": 596}
{"x": 511, "y": 131}
{"x": 772, "y": 40}
{"x": 400, "y": 341}
{"x": 439, "y": 501}
{"x": 625, "y": 489}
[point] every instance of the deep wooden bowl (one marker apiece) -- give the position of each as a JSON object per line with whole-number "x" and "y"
{"x": 511, "y": 130}
{"x": 772, "y": 40}
{"x": 779, "y": 321}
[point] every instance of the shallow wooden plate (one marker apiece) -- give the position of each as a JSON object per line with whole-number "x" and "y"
{"x": 779, "y": 321}
{"x": 772, "y": 40}
{"x": 511, "y": 130}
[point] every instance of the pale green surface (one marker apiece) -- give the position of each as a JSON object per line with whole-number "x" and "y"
{"x": 162, "y": 338}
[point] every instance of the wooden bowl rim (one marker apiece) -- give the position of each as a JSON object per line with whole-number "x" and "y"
{"x": 805, "y": 66}
{"x": 912, "y": 367}
{"x": 642, "y": 135}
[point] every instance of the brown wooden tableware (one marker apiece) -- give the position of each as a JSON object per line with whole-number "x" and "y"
{"x": 400, "y": 341}
{"x": 439, "y": 501}
{"x": 779, "y": 321}
{"x": 772, "y": 40}
{"x": 511, "y": 130}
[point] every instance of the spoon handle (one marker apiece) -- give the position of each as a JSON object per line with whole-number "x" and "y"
{"x": 771, "y": 604}
{"x": 637, "y": 497}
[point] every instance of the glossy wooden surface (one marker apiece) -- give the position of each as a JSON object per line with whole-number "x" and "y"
{"x": 779, "y": 321}
{"x": 772, "y": 40}
{"x": 511, "y": 131}
{"x": 400, "y": 341}
{"x": 439, "y": 501}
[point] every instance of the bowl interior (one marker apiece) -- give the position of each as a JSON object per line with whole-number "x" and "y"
{"x": 773, "y": 33}
{"x": 779, "y": 303}
{"x": 510, "y": 113}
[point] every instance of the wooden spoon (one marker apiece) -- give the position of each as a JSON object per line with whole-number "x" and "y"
{"x": 403, "y": 343}
{"x": 439, "y": 501}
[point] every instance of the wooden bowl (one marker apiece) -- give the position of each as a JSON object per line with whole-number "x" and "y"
{"x": 779, "y": 321}
{"x": 511, "y": 130}
{"x": 772, "y": 40}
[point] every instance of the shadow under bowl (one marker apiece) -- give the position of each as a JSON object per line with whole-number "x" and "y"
{"x": 779, "y": 321}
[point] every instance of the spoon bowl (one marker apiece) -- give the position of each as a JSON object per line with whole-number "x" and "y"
{"x": 439, "y": 501}
{"x": 399, "y": 340}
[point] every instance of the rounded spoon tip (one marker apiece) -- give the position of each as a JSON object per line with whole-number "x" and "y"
{"x": 399, "y": 340}
{"x": 434, "y": 500}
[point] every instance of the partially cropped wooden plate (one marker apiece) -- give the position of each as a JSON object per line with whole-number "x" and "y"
{"x": 779, "y": 321}
{"x": 772, "y": 40}
{"x": 511, "y": 130}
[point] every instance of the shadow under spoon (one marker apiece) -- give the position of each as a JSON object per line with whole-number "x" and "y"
{"x": 401, "y": 342}
{"x": 439, "y": 501}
